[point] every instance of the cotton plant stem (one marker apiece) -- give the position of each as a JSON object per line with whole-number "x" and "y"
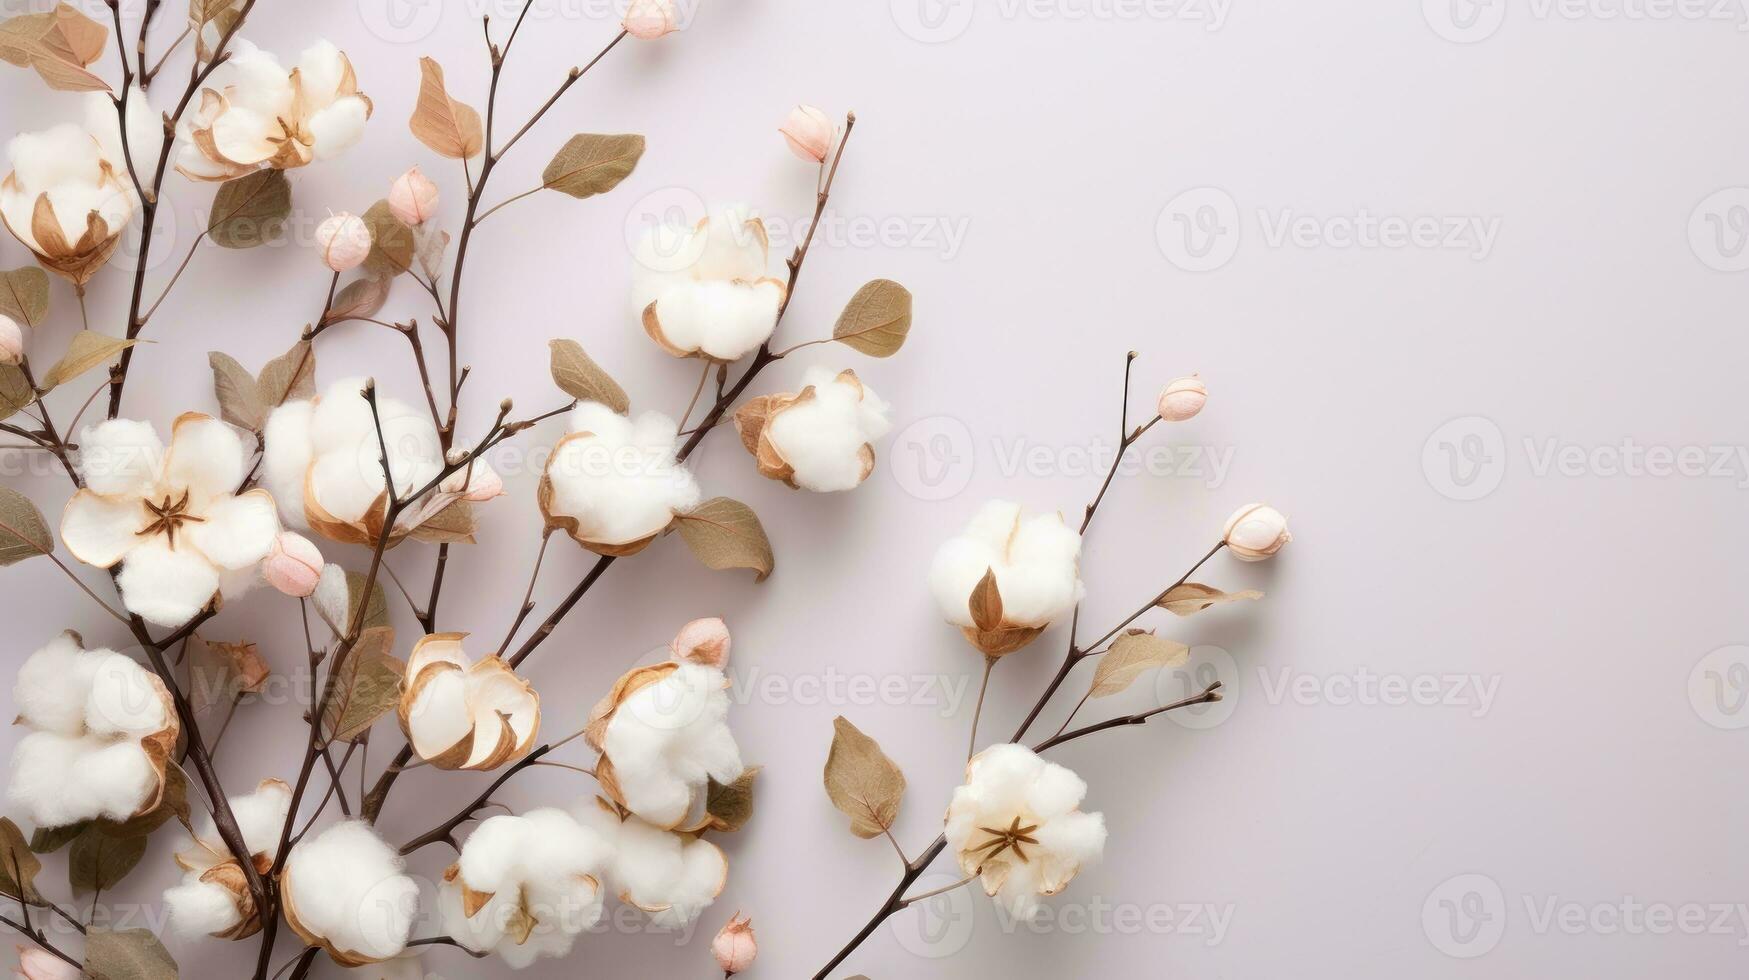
{"x": 36, "y": 935}
{"x": 445, "y": 832}
{"x": 989, "y": 665}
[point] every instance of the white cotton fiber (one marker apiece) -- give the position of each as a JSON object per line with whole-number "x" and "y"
{"x": 348, "y": 888}
{"x": 199, "y": 908}
{"x": 60, "y": 780}
{"x": 53, "y": 685}
{"x": 668, "y": 739}
{"x": 287, "y": 458}
{"x": 124, "y": 699}
{"x": 823, "y": 437}
{"x": 543, "y": 863}
{"x": 620, "y": 481}
{"x": 673, "y": 877}
{"x": 710, "y": 284}
{"x": 1035, "y": 559}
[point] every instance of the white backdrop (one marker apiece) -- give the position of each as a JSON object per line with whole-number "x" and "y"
{"x": 1467, "y": 285}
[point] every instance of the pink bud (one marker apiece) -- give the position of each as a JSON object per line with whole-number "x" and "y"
{"x": 1256, "y": 532}
{"x": 1183, "y": 398}
{"x": 484, "y": 484}
{"x": 344, "y": 240}
{"x": 413, "y": 197}
{"x": 735, "y": 946}
{"x": 648, "y": 20}
{"x": 703, "y": 641}
{"x": 809, "y": 133}
{"x": 40, "y": 964}
{"x": 11, "y": 341}
{"x": 294, "y": 566}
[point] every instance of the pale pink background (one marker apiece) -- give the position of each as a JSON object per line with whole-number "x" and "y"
{"x": 1603, "y": 770}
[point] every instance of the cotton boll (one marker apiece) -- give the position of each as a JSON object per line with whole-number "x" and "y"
{"x": 722, "y": 320}
{"x": 120, "y": 456}
{"x": 616, "y": 478}
{"x": 668, "y": 739}
{"x": 706, "y": 290}
{"x": 346, "y": 891}
{"x": 287, "y": 458}
{"x": 124, "y": 699}
{"x": 826, "y": 437}
{"x": 543, "y": 866}
{"x": 1035, "y": 560}
{"x": 198, "y": 908}
{"x": 53, "y": 685}
{"x": 60, "y": 780}
{"x": 672, "y": 877}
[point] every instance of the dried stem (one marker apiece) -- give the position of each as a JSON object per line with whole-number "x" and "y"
{"x": 989, "y": 665}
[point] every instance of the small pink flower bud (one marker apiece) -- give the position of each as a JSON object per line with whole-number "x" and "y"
{"x": 703, "y": 641}
{"x": 344, "y": 240}
{"x": 11, "y": 341}
{"x": 1183, "y": 398}
{"x": 294, "y": 566}
{"x": 413, "y": 197}
{"x": 40, "y": 964}
{"x": 648, "y": 20}
{"x": 735, "y": 947}
{"x": 1256, "y": 532}
{"x": 809, "y": 133}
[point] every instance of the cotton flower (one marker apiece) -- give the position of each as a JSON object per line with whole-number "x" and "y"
{"x": 214, "y": 898}
{"x": 1017, "y": 824}
{"x": 1035, "y": 561}
{"x": 705, "y": 291}
{"x": 344, "y": 891}
{"x": 294, "y": 566}
{"x": 101, "y": 731}
{"x": 1182, "y": 399}
{"x": 35, "y": 963}
{"x": 734, "y": 945}
{"x": 648, "y": 20}
{"x": 612, "y": 483}
{"x": 413, "y": 197}
{"x": 663, "y": 734}
{"x": 809, "y": 133}
{"x": 821, "y": 439}
{"x": 268, "y": 117}
{"x": 323, "y": 462}
{"x": 672, "y": 876}
{"x": 11, "y": 341}
{"x": 172, "y": 519}
{"x": 1256, "y": 532}
{"x": 525, "y": 886}
{"x": 459, "y": 713}
{"x": 69, "y": 195}
{"x": 344, "y": 241}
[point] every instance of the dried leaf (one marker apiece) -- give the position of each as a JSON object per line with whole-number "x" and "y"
{"x": 250, "y": 210}
{"x": 725, "y": 533}
{"x": 368, "y": 687}
{"x": 449, "y": 127}
{"x": 220, "y": 673}
{"x": 87, "y": 350}
{"x": 862, "y": 781}
{"x": 1131, "y": 655}
{"x": 127, "y": 954}
{"x": 876, "y": 320}
{"x": 376, "y": 613}
{"x": 98, "y": 862}
{"x": 731, "y": 805}
{"x": 361, "y": 298}
{"x": 579, "y": 376}
{"x": 48, "y": 840}
{"x": 454, "y": 524}
{"x": 18, "y": 866}
{"x": 1193, "y": 597}
{"x": 392, "y": 243}
{"x": 57, "y": 44}
{"x": 430, "y": 244}
{"x": 23, "y": 531}
{"x": 24, "y": 295}
{"x": 289, "y": 377}
{"x": 986, "y": 602}
{"x": 15, "y": 391}
{"x": 239, "y": 396}
{"x": 590, "y": 163}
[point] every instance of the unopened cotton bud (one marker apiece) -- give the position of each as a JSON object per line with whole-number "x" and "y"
{"x": 295, "y": 566}
{"x": 703, "y": 641}
{"x": 735, "y": 947}
{"x": 11, "y": 341}
{"x": 1182, "y": 399}
{"x": 809, "y": 132}
{"x": 413, "y": 197}
{"x": 1256, "y": 532}
{"x": 40, "y": 964}
{"x": 344, "y": 240}
{"x": 648, "y": 20}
